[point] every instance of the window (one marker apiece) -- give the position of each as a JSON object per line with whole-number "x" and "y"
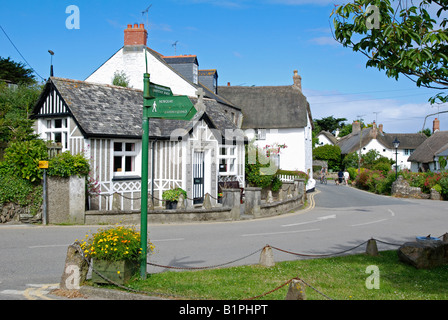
{"x": 227, "y": 160}
{"x": 56, "y": 130}
{"x": 261, "y": 134}
{"x": 125, "y": 158}
{"x": 408, "y": 152}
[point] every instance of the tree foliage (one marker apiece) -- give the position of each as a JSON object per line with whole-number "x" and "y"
{"x": 329, "y": 153}
{"x": 329, "y": 124}
{"x": 399, "y": 38}
{"x": 16, "y": 72}
{"x": 15, "y": 107}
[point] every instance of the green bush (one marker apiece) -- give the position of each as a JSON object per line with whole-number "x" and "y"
{"x": 443, "y": 182}
{"x": 22, "y": 158}
{"x": 329, "y": 153}
{"x": 254, "y": 171}
{"x": 66, "y": 165}
{"x": 20, "y": 191}
{"x": 173, "y": 194}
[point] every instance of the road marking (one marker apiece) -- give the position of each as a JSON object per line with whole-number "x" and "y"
{"x": 162, "y": 240}
{"x": 366, "y": 223}
{"x": 391, "y": 212}
{"x": 333, "y": 216}
{"x": 274, "y": 233}
{"x": 49, "y": 246}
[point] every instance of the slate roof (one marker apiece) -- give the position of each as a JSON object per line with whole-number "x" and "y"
{"x": 111, "y": 111}
{"x": 427, "y": 150}
{"x": 269, "y": 107}
{"x": 350, "y": 143}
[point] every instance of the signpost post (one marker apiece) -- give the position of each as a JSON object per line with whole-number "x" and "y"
{"x": 44, "y": 165}
{"x": 158, "y": 102}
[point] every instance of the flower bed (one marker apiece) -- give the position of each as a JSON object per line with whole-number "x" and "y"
{"x": 379, "y": 182}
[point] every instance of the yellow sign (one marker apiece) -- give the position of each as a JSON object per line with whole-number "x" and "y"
{"x": 43, "y": 164}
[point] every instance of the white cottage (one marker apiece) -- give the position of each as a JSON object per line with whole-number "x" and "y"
{"x": 279, "y": 118}
{"x": 374, "y": 138}
{"x": 105, "y": 123}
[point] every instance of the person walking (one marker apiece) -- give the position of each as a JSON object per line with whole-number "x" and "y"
{"x": 340, "y": 177}
{"x": 346, "y": 177}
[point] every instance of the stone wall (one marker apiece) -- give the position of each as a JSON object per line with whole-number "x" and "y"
{"x": 401, "y": 188}
{"x": 66, "y": 200}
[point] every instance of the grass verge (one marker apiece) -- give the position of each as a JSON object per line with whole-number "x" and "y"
{"x": 339, "y": 278}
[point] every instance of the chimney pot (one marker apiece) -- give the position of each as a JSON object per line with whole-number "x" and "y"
{"x": 135, "y": 36}
{"x": 228, "y": 84}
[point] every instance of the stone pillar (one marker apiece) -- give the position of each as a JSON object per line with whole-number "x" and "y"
{"x": 75, "y": 269}
{"x": 296, "y": 290}
{"x": 66, "y": 200}
{"x": 372, "y": 249}
{"x": 231, "y": 198}
{"x": 253, "y": 201}
{"x": 267, "y": 257}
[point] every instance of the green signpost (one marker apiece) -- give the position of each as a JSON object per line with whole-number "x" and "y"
{"x": 158, "y": 102}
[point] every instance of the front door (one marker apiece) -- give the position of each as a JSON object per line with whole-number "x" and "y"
{"x": 198, "y": 177}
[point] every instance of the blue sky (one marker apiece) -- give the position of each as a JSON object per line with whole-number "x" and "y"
{"x": 249, "y": 42}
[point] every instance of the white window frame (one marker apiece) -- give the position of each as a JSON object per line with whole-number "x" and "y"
{"x": 135, "y": 154}
{"x": 50, "y": 131}
{"x": 228, "y": 158}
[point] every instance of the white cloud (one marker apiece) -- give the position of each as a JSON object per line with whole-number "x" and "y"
{"x": 395, "y": 115}
{"x": 324, "y": 41}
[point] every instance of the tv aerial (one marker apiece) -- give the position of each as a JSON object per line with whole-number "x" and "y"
{"x": 175, "y": 47}
{"x": 146, "y": 11}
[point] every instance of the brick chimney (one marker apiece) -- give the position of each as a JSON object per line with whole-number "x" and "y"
{"x": 380, "y": 128}
{"x": 356, "y": 126}
{"x": 297, "y": 80}
{"x": 135, "y": 35}
{"x": 436, "y": 125}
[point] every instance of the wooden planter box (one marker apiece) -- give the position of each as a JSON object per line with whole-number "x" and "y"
{"x": 117, "y": 271}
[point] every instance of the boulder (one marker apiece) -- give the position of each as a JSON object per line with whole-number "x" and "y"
{"x": 424, "y": 254}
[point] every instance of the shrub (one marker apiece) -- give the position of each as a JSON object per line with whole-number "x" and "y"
{"x": 114, "y": 244}
{"x": 329, "y": 153}
{"x": 20, "y": 191}
{"x": 443, "y": 182}
{"x": 22, "y": 158}
{"x": 66, "y": 165}
{"x": 255, "y": 169}
{"x": 173, "y": 194}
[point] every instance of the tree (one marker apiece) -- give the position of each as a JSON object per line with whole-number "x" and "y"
{"x": 329, "y": 153}
{"x": 329, "y": 124}
{"x": 15, "y": 107}
{"x": 405, "y": 40}
{"x": 16, "y": 72}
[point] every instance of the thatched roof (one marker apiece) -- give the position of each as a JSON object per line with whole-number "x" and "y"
{"x": 269, "y": 107}
{"x": 427, "y": 150}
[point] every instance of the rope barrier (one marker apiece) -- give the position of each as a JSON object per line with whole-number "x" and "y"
{"x": 227, "y": 263}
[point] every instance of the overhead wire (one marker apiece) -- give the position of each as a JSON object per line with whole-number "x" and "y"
{"x": 21, "y": 54}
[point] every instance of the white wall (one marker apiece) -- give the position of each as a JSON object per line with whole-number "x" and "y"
{"x": 293, "y": 157}
{"x": 402, "y": 159}
{"x": 134, "y": 66}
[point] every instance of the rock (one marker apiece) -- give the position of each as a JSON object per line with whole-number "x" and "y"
{"x": 424, "y": 254}
{"x": 75, "y": 269}
{"x": 296, "y": 291}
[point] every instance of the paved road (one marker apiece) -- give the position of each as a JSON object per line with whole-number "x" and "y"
{"x": 338, "y": 218}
